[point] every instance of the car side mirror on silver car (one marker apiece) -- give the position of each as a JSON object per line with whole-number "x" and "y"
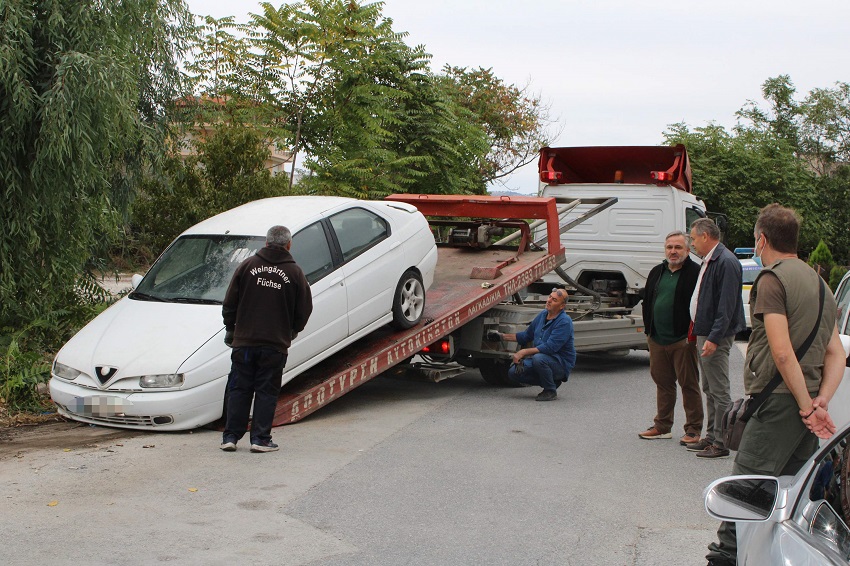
{"x": 135, "y": 280}
{"x": 742, "y": 498}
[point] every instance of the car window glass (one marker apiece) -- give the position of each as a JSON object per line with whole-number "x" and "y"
{"x": 198, "y": 268}
{"x": 828, "y": 486}
{"x": 692, "y": 214}
{"x": 842, "y": 298}
{"x": 312, "y": 253}
{"x": 749, "y": 273}
{"x": 357, "y": 230}
{"x": 829, "y": 526}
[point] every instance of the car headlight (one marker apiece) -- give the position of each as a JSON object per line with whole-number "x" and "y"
{"x": 161, "y": 380}
{"x": 65, "y": 372}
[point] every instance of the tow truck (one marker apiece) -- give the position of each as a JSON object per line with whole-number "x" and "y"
{"x": 472, "y": 277}
{"x": 495, "y": 269}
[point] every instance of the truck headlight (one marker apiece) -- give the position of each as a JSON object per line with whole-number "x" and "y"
{"x": 161, "y": 380}
{"x": 65, "y": 372}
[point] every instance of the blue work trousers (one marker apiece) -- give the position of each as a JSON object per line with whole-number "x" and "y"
{"x": 255, "y": 375}
{"x": 540, "y": 369}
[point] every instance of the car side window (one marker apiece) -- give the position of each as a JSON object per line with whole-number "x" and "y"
{"x": 357, "y": 230}
{"x": 828, "y": 492}
{"x": 842, "y": 298}
{"x": 312, "y": 253}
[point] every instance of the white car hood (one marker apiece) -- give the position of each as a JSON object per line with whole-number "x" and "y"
{"x": 142, "y": 337}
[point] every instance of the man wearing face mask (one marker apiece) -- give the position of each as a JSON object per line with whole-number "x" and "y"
{"x": 787, "y": 321}
{"x": 717, "y": 310}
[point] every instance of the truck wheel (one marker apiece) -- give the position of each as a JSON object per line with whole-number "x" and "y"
{"x": 495, "y": 372}
{"x": 408, "y": 301}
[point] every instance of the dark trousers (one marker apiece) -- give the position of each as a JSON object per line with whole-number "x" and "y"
{"x": 255, "y": 375}
{"x": 668, "y": 365}
{"x": 540, "y": 369}
{"x": 714, "y": 371}
{"x": 775, "y": 443}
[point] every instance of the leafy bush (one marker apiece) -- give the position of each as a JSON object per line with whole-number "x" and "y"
{"x": 26, "y": 353}
{"x": 228, "y": 170}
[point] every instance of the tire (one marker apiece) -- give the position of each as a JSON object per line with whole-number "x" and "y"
{"x": 408, "y": 300}
{"x": 495, "y": 372}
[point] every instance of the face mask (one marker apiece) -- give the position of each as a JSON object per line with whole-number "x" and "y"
{"x": 757, "y": 253}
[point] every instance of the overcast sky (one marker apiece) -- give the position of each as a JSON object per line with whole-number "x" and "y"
{"x": 618, "y": 72}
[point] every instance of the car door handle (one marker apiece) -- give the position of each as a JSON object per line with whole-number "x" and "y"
{"x": 395, "y": 245}
{"x": 335, "y": 281}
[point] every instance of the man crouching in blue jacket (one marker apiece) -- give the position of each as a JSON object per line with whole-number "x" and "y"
{"x": 552, "y": 352}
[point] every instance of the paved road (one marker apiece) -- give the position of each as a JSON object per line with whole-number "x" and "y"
{"x": 396, "y": 472}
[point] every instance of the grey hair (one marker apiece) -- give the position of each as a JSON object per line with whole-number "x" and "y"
{"x": 278, "y": 236}
{"x": 675, "y": 233}
{"x": 703, "y": 226}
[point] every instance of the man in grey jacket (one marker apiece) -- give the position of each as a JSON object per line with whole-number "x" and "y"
{"x": 717, "y": 310}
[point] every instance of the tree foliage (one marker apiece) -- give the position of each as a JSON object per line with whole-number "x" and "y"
{"x": 516, "y": 122}
{"x": 338, "y": 86}
{"x": 822, "y": 257}
{"x": 83, "y": 88}
{"x": 789, "y": 152}
{"x": 227, "y": 170}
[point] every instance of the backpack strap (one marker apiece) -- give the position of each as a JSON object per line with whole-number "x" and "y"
{"x": 762, "y": 396}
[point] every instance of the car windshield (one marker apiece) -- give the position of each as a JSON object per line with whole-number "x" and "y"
{"x": 196, "y": 269}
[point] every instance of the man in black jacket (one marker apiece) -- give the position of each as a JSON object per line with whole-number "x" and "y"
{"x": 266, "y": 306}
{"x": 672, "y": 357}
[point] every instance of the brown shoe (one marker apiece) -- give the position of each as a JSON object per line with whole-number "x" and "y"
{"x": 653, "y": 434}
{"x": 689, "y": 439}
{"x": 713, "y": 452}
{"x": 698, "y": 446}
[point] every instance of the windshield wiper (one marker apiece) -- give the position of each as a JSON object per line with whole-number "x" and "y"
{"x": 194, "y": 301}
{"x": 145, "y": 297}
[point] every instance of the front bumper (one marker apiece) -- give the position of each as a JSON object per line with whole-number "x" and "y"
{"x": 150, "y": 410}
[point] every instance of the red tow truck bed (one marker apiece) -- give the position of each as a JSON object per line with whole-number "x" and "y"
{"x": 453, "y": 300}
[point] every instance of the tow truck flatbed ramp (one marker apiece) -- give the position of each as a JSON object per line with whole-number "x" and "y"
{"x": 453, "y": 300}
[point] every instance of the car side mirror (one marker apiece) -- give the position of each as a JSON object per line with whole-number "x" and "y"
{"x": 135, "y": 280}
{"x": 742, "y": 498}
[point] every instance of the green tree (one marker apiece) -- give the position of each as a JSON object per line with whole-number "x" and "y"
{"x": 762, "y": 160}
{"x": 83, "y": 92}
{"x": 339, "y": 88}
{"x": 516, "y": 122}
{"x": 821, "y": 259}
{"x": 737, "y": 173}
{"x": 826, "y": 127}
{"x": 227, "y": 170}
{"x": 783, "y": 116}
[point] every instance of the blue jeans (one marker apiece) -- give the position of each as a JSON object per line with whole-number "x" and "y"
{"x": 255, "y": 375}
{"x": 540, "y": 369}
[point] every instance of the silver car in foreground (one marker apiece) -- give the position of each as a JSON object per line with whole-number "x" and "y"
{"x": 791, "y": 521}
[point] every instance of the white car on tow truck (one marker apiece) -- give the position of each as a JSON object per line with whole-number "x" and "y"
{"x": 156, "y": 360}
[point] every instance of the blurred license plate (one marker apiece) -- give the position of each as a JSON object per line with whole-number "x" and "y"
{"x": 101, "y": 406}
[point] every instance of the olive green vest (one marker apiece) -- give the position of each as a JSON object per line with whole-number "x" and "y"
{"x": 801, "y": 306}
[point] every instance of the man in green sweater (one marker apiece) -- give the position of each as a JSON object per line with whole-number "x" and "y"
{"x": 672, "y": 357}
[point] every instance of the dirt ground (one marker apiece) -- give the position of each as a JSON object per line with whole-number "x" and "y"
{"x": 24, "y": 432}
